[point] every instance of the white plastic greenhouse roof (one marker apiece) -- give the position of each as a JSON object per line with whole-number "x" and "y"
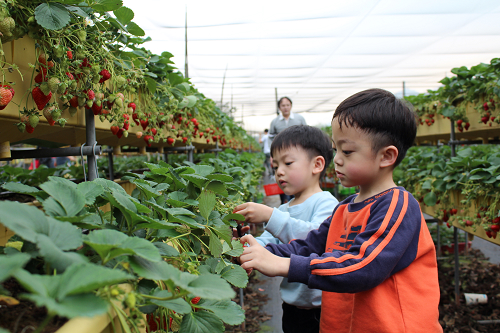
{"x": 317, "y": 52}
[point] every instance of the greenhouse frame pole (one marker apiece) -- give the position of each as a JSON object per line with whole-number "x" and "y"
{"x": 90, "y": 137}
{"x": 455, "y": 229}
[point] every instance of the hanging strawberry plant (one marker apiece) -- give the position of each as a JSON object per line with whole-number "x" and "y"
{"x": 90, "y": 55}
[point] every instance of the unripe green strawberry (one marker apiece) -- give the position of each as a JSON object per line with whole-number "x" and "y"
{"x": 59, "y": 51}
{"x": 72, "y": 111}
{"x": 33, "y": 120}
{"x": 62, "y": 88}
{"x": 73, "y": 85}
{"x": 56, "y": 114}
{"x": 31, "y": 20}
{"x": 62, "y": 122}
{"x": 120, "y": 81}
{"x": 79, "y": 55}
{"x": 130, "y": 300}
{"x": 95, "y": 79}
{"x": 7, "y": 25}
{"x": 125, "y": 133}
{"x": 81, "y": 101}
{"x": 21, "y": 127}
{"x": 90, "y": 103}
{"x": 82, "y": 35}
{"x": 44, "y": 87}
{"x": 86, "y": 71}
{"x": 53, "y": 84}
{"x": 102, "y": 117}
{"x": 119, "y": 102}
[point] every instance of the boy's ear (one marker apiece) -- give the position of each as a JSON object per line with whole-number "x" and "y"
{"x": 319, "y": 164}
{"x": 389, "y": 156}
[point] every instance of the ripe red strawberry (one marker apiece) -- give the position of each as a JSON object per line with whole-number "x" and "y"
{"x": 453, "y": 211}
{"x": 138, "y": 135}
{"x": 96, "y": 109}
{"x": 148, "y": 139}
{"x": 214, "y": 138}
{"x": 74, "y": 101}
{"x": 184, "y": 139}
{"x": 40, "y": 77}
{"x": 469, "y": 223}
{"x": 126, "y": 126}
{"x": 495, "y": 227}
{"x": 69, "y": 53}
{"x": 195, "y": 300}
{"x": 485, "y": 106}
{"x": 114, "y": 129}
{"x": 153, "y": 130}
{"x": 5, "y": 96}
{"x": 71, "y": 77}
{"x": 459, "y": 122}
{"x": 467, "y": 125}
{"x": 120, "y": 133}
{"x": 106, "y": 75}
{"x": 90, "y": 94}
{"x": 485, "y": 119}
{"x": 496, "y": 220}
{"x": 40, "y": 98}
{"x": 144, "y": 124}
{"x": 132, "y": 105}
{"x": 29, "y": 129}
{"x": 135, "y": 118}
{"x": 170, "y": 141}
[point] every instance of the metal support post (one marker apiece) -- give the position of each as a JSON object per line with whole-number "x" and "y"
{"x": 110, "y": 165}
{"x": 54, "y": 152}
{"x": 455, "y": 229}
{"x": 191, "y": 155}
{"x": 90, "y": 137}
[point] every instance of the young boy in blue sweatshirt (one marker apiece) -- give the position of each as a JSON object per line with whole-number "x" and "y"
{"x": 374, "y": 258}
{"x": 300, "y": 155}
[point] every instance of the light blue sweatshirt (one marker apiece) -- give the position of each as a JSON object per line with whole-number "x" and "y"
{"x": 288, "y": 223}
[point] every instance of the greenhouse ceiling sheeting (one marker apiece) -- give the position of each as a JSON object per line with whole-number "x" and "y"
{"x": 317, "y": 52}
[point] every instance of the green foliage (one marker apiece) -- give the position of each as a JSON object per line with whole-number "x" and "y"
{"x": 173, "y": 234}
{"x": 432, "y": 176}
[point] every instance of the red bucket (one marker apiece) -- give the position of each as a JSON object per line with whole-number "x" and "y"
{"x": 272, "y": 189}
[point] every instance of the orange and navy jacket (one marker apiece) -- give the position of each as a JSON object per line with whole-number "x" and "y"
{"x": 376, "y": 264}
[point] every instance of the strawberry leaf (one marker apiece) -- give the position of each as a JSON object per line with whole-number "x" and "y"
{"x": 52, "y": 16}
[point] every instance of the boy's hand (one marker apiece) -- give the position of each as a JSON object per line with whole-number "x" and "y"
{"x": 254, "y": 212}
{"x": 256, "y": 256}
{"x": 243, "y": 231}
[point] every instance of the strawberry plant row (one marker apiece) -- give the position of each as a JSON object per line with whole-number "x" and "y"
{"x": 171, "y": 240}
{"x": 461, "y": 190}
{"x": 469, "y": 98}
{"x": 75, "y": 56}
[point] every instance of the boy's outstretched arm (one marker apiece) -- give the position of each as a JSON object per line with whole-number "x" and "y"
{"x": 257, "y": 257}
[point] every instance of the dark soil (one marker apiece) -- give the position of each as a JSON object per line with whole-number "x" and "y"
{"x": 11, "y": 196}
{"x": 25, "y": 316}
{"x": 477, "y": 276}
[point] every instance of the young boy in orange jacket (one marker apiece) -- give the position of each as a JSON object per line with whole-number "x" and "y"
{"x": 374, "y": 258}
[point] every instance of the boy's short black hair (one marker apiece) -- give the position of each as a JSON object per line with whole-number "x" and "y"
{"x": 387, "y": 119}
{"x": 313, "y": 140}
{"x": 266, "y": 130}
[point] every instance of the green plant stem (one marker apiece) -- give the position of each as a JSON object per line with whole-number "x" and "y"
{"x": 166, "y": 298}
{"x": 44, "y": 323}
